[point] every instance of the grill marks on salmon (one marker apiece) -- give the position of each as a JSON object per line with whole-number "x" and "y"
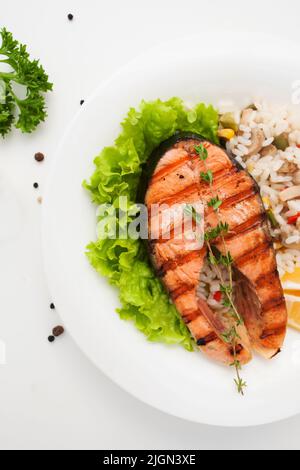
{"x": 179, "y": 262}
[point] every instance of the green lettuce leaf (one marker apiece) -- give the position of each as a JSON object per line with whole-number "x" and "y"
{"x": 117, "y": 172}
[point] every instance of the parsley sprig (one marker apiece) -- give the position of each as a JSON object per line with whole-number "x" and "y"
{"x": 27, "y": 73}
{"x": 217, "y": 260}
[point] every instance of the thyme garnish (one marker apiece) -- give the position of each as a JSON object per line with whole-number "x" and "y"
{"x": 217, "y": 231}
{"x": 215, "y": 203}
{"x": 207, "y": 176}
{"x": 230, "y": 337}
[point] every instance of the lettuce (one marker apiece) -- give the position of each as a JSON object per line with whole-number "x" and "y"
{"x": 117, "y": 173}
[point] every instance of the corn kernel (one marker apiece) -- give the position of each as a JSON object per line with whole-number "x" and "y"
{"x": 226, "y": 133}
{"x": 267, "y": 202}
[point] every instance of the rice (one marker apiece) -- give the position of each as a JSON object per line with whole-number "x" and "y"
{"x": 210, "y": 285}
{"x": 274, "y": 170}
{"x": 268, "y": 141}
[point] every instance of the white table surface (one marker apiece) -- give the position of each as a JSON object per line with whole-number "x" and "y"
{"x": 50, "y": 395}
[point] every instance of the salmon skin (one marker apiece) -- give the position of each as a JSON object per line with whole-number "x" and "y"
{"x": 173, "y": 177}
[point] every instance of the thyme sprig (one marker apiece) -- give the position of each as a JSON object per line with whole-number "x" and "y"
{"x": 214, "y": 233}
{"x": 215, "y": 203}
{"x": 230, "y": 337}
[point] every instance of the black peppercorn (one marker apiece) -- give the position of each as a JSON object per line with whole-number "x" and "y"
{"x": 70, "y": 17}
{"x": 39, "y": 157}
{"x": 51, "y": 339}
{"x": 58, "y": 330}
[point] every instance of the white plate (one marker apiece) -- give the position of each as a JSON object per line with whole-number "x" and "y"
{"x": 203, "y": 68}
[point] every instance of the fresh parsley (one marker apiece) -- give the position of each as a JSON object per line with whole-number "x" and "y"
{"x": 25, "y": 113}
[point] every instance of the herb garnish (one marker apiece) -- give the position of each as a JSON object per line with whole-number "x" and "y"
{"x": 27, "y": 73}
{"x": 230, "y": 337}
{"x": 215, "y": 203}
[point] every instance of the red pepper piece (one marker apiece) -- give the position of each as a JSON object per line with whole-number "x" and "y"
{"x": 218, "y": 296}
{"x": 293, "y": 219}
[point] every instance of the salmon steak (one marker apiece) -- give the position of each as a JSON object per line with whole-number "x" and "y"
{"x": 174, "y": 177}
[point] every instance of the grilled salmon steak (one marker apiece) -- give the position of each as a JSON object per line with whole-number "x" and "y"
{"x": 174, "y": 178}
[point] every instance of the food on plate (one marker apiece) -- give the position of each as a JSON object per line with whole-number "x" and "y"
{"x": 18, "y": 70}
{"x": 291, "y": 279}
{"x": 178, "y": 178}
{"x": 291, "y": 286}
{"x": 275, "y": 166}
{"x": 242, "y": 166}
{"x": 117, "y": 173}
{"x": 294, "y": 314}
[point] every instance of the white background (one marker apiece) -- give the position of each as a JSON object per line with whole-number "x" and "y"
{"x": 50, "y": 395}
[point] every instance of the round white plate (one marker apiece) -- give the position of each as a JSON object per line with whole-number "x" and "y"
{"x": 209, "y": 68}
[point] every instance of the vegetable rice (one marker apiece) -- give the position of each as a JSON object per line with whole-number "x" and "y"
{"x": 267, "y": 143}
